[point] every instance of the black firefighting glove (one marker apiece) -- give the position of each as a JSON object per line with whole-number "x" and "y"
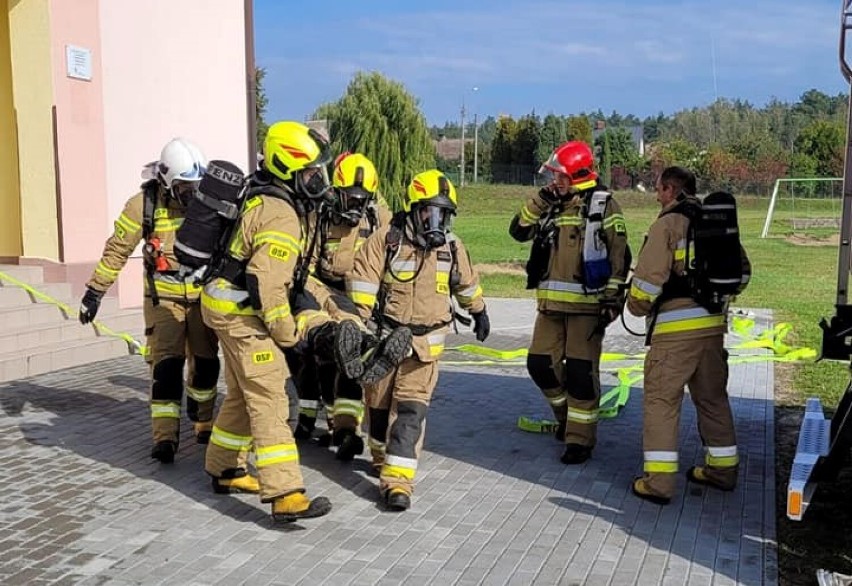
{"x": 481, "y": 325}
{"x": 549, "y": 196}
{"x": 89, "y": 305}
{"x": 610, "y": 308}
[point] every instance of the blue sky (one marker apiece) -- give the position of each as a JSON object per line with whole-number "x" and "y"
{"x": 639, "y": 56}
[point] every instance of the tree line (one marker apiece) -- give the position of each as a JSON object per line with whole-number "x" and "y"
{"x": 730, "y": 144}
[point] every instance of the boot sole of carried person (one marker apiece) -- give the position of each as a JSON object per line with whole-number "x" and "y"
{"x": 386, "y": 356}
{"x": 347, "y": 349}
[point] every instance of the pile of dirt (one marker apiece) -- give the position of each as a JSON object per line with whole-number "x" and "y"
{"x": 504, "y": 268}
{"x": 805, "y": 240}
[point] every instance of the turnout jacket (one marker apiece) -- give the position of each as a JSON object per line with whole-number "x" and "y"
{"x": 268, "y": 240}
{"x": 662, "y": 256}
{"x": 414, "y": 287}
{"x": 167, "y": 218}
{"x": 562, "y": 289}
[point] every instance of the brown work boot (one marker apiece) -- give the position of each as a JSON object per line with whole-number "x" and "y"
{"x": 642, "y": 491}
{"x": 295, "y": 506}
{"x": 234, "y": 481}
{"x": 202, "y": 429}
{"x": 698, "y": 475}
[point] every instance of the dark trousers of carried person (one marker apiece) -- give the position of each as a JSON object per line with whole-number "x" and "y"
{"x": 177, "y": 337}
{"x": 564, "y": 362}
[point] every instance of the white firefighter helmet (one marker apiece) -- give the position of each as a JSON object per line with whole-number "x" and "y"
{"x": 180, "y": 160}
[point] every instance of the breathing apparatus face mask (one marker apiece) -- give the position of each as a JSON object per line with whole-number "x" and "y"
{"x": 431, "y": 224}
{"x": 183, "y": 191}
{"x": 350, "y": 205}
{"x": 313, "y": 182}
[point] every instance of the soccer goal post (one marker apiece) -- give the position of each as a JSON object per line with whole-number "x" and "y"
{"x": 806, "y": 203}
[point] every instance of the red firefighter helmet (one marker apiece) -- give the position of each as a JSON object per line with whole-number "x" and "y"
{"x": 574, "y": 159}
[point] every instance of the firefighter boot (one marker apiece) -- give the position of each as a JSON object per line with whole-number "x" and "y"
{"x": 698, "y": 475}
{"x": 641, "y": 490}
{"x": 349, "y": 444}
{"x": 164, "y": 452}
{"x": 382, "y": 356}
{"x": 203, "y": 429}
{"x": 235, "y": 480}
{"x": 575, "y": 454}
{"x": 398, "y": 500}
{"x": 295, "y": 506}
{"x": 305, "y": 427}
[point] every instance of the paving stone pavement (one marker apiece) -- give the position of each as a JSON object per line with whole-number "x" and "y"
{"x": 83, "y": 503}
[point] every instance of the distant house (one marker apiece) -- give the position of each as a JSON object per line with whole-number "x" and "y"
{"x": 637, "y": 133}
{"x": 449, "y": 149}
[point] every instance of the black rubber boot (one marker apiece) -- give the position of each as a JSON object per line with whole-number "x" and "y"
{"x": 164, "y": 452}
{"x": 349, "y": 444}
{"x": 398, "y": 500}
{"x": 576, "y": 454}
{"x": 386, "y": 356}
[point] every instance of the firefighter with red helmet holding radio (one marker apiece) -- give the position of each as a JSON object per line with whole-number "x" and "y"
{"x": 578, "y": 265}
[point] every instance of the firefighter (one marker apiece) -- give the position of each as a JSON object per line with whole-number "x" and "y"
{"x": 686, "y": 347}
{"x": 258, "y": 308}
{"x": 353, "y": 212}
{"x": 174, "y": 328}
{"x": 579, "y": 263}
{"x": 411, "y": 269}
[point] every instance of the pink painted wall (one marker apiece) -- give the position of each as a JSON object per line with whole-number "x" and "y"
{"x": 169, "y": 69}
{"x": 79, "y": 131}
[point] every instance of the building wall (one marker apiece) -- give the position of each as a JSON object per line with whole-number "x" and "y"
{"x": 29, "y": 24}
{"x": 79, "y": 131}
{"x": 10, "y": 219}
{"x": 169, "y": 69}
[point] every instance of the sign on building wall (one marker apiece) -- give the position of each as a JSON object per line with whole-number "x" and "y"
{"x": 78, "y": 62}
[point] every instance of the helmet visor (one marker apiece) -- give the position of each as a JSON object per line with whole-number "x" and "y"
{"x": 184, "y": 191}
{"x": 313, "y": 182}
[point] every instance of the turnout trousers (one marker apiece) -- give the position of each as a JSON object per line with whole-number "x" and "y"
{"x": 702, "y": 364}
{"x": 397, "y": 408}
{"x": 177, "y": 336}
{"x": 254, "y": 414}
{"x": 564, "y": 362}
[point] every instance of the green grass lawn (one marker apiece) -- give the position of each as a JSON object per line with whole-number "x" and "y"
{"x": 796, "y": 281}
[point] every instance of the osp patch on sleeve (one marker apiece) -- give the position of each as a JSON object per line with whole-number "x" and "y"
{"x": 279, "y": 252}
{"x": 619, "y": 226}
{"x": 263, "y": 357}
